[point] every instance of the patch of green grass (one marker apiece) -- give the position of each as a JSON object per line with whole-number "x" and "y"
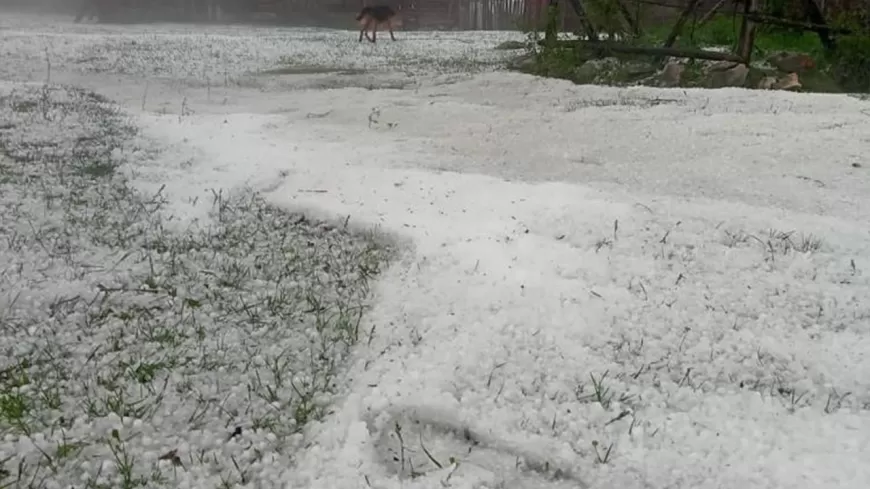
{"x": 98, "y": 169}
{"x": 14, "y": 407}
{"x": 847, "y": 70}
{"x": 724, "y": 31}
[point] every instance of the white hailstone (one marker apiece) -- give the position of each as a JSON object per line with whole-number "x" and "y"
{"x": 183, "y": 446}
{"x": 322, "y": 399}
{"x": 295, "y": 439}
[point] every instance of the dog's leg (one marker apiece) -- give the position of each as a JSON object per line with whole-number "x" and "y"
{"x": 96, "y": 8}
{"x": 374, "y": 32}
{"x": 362, "y": 31}
{"x": 390, "y": 27}
{"x": 373, "y": 24}
{"x": 83, "y": 11}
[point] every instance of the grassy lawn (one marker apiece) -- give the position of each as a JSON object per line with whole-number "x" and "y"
{"x": 847, "y": 69}
{"x": 143, "y": 350}
{"x": 724, "y": 31}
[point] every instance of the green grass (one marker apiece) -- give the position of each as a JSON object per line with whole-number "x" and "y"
{"x": 127, "y": 333}
{"x": 724, "y": 31}
{"x": 847, "y": 70}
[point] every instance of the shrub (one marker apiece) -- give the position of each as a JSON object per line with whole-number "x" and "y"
{"x": 850, "y": 64}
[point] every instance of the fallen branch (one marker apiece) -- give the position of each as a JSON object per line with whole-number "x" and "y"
{"x": 608, "y": 47}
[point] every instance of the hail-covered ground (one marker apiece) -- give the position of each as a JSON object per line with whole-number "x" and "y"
{"x": 594, "y": 287}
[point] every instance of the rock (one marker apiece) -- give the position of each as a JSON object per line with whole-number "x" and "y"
{"x": 672, "y": 74}
{"x": 510, "y": 45}
{"x": 585, "y": 73}
{"x": 788, "y": 82}
{"x": 735, "y": 76}
{"x": 590, "y": 71}
{"x": 767, "y": 83}
{"x": 721, "y": 66}
{"x": 635, "y": 69}
{"x": 791, "y": 62}
{"x": 523, "y": 63}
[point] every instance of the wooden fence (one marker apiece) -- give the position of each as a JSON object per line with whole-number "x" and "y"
{"x": 510, "y": 15}
{"x": 492, "y": 14}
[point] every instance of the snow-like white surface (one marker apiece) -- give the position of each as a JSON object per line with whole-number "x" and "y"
{"x": 560, "y": 233}
{"x": 229, "y": 55}
{"x": 720, "y": 330}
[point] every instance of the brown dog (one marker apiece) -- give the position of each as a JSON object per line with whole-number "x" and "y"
{"x": 374, "y": 16}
